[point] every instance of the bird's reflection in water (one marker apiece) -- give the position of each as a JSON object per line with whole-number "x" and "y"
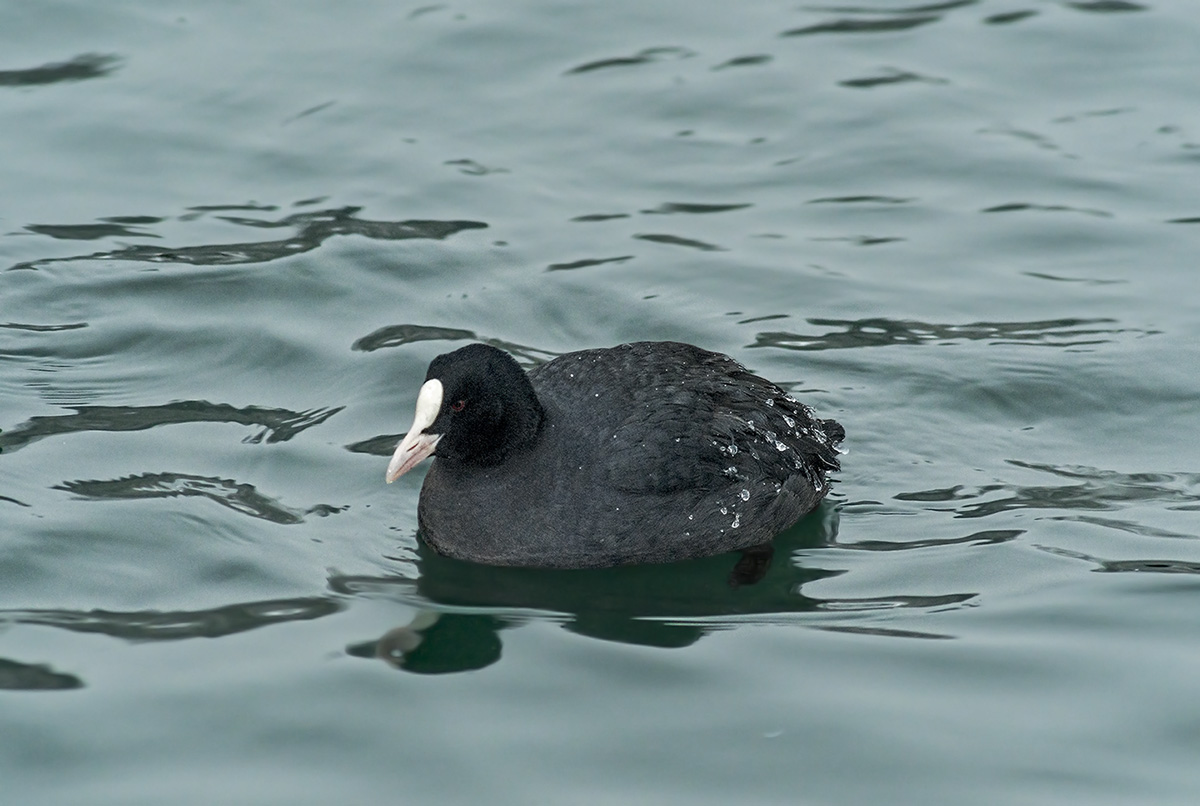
{"x": 437, "y": 643}
{"x": 464, "y": 606}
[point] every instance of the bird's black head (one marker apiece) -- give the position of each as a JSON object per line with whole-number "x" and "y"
{"x": 487, "y": 406}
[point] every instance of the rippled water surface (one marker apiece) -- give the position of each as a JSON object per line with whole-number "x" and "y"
{"x": 235, "y": 234}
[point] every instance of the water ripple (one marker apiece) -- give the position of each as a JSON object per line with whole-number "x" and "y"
{"x": 173, "y": 625}
{"x": 85, "y": 66}
{"x": 891, "y": 77}
{"x": 882, "y": 332}
{"x": 472, "y": 168}
{"x": 16, "y": 676}
{"x": 313, "y": 229}
{"x": 1129, "y": 527}
{"x": 1052, "y": 208}
{"x": 1092, "y": 489}
{"x": 90, "y": 232}
{"x": 646, "y": 56}
{"x": 1128, "y": 566}
{"x": 238, "y": 496}
{"x": 892, "y": 602}
{"x": 855, "y": 26}
{"x": 42, "y": 328}
{"x": 278, "y": 425}
{"x": 399, "y": 335}
{"x": 1084, "y": 280}
{"x": 985, "y": 538}
{"x": 1107, "y": 6}
{"x": 744, "y": 61}
{"x": 883, "y": 632}
{"x": 1040, "y": 140}
{"x": 668, "y": 208}
{"x": 927, "y": 8}
{"x": 587, "y": 263}
{"x": 1009, "y": 17}
{"x": 861, "y": 199}
{"x": 590, "y": 217}
{"x": 863, "y": 240}
{"x": 675, "y": 240}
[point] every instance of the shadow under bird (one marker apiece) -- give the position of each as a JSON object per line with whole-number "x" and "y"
{"x": 643, "y": 453}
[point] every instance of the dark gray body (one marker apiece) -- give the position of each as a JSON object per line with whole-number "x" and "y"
{"x": 648, "y": 452}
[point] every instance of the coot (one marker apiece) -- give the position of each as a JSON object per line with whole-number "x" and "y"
{"x": 643, "y": 453}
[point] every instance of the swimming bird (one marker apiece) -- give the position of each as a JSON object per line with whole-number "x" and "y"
{"x": 642, "y": 453}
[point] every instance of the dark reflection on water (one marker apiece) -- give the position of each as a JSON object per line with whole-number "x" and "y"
{"x": 881, "y": 631}
{"x": 107, "y": 228}
{"x": 398, "y": 335}
{"x": 278, "y": 425}
{"x": 863, "y": 240}
{"x": 587, "y": 263}
{"x": 1014, "y": 207}
{"x": 591, "y": 217}
{"x": 238, "y": 496}
{"x": 472, "y": 168}
{"x": 882, "y": 332}
{"x": 1092, "y": 489}
{"x": 676, "y": 240}
{"x": 312, "y": 229}
{"x": 850, "y": 25}
{"x": 1009, "y": 17}
{"x": 464, "y": 606}
{"x": 744, "y": 61}
{"x": 1084, "y": 280}
{"x": 1131, "y": 527}
{"x": 174, "y": 625}
{"x": 985, "y": 538}
{"x": 84, "y": 66}
{"x": 199, "y": 210}
{"x": 1040, "y": 140}
{"x": 646, "y": 56}
{"x": 671, "y": 208}
{"x": 860, "y": 199}
{"x": 16, "y": 676}
{"x": 1107, "y": 6}
{"x": 1128, "y": 566}
{"x": 42, "y": 328}
{"x": 923, "y": 8}
{"x": 891, "y": 77}
{"x": 382, "y": 445}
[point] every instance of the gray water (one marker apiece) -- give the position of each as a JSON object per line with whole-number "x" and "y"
{"x": 233, "y": 236}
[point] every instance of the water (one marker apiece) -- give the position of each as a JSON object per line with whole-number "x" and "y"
{"x": 235, "y": 236}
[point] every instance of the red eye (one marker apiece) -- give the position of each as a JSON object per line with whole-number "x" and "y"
{"x": 458, "y": 405}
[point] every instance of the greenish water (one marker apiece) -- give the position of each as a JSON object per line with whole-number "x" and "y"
{"x": 233, "y": 237}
